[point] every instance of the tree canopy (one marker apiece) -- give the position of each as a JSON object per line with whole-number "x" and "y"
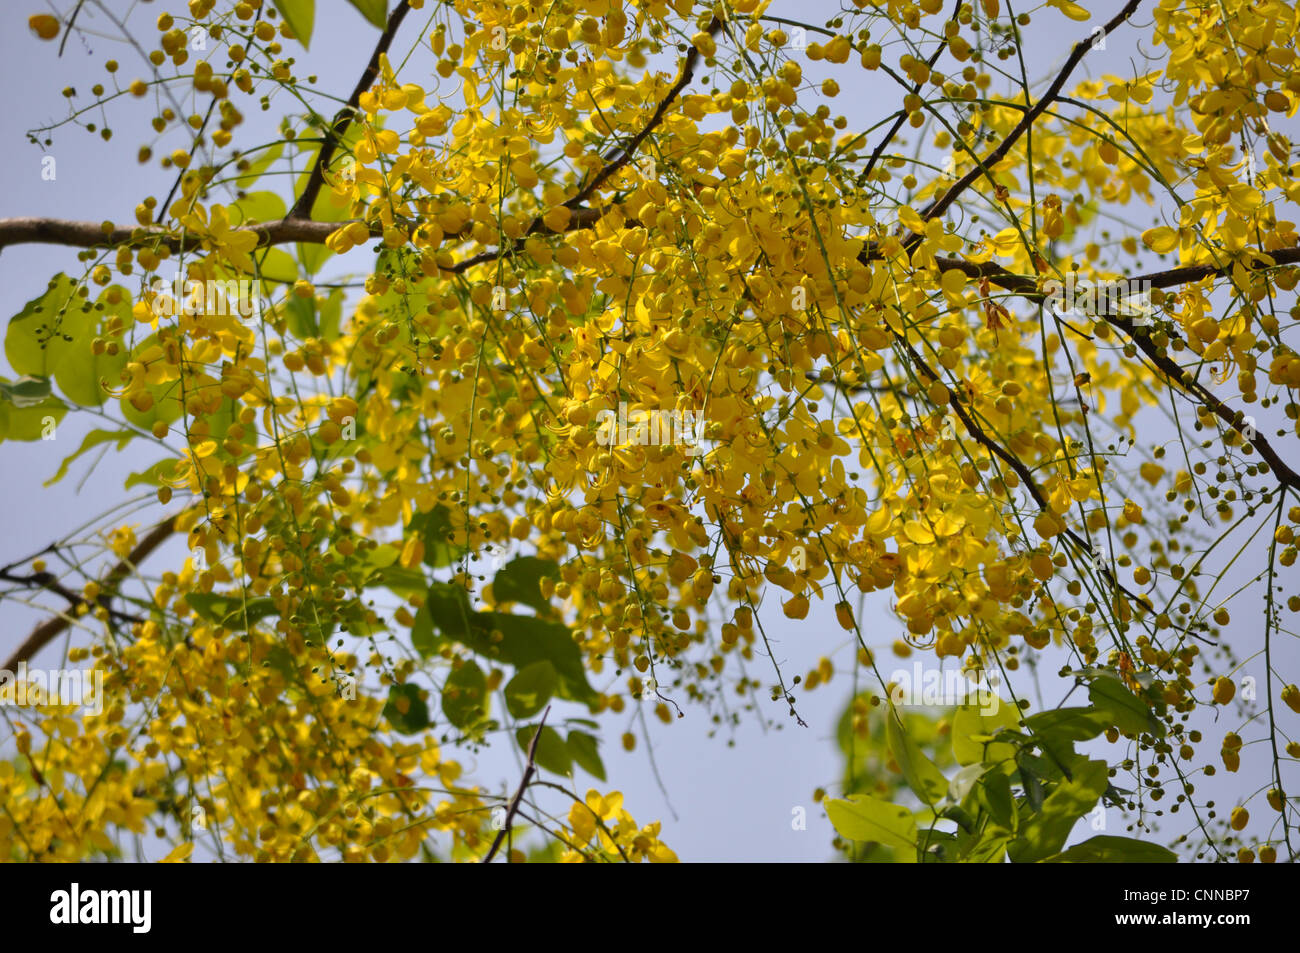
{"x": 586, "y": 344}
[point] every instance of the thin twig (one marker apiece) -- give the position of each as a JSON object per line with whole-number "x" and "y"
{"x": 615, "y": 159}
{"x": 519, "y": 792}
{"x": 50, "y": 629}
{"x": 941, "y": 204}
{"x": 338, "y": 129}
{"x": 876, "y": 153}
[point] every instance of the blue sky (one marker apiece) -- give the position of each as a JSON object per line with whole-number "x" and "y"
{"x": 733, "y": 789}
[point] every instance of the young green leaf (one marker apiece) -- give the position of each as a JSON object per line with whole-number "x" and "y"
{"x": 926, "y": 780}
{"x": 531, "y": 688}
{"x": 861, "y": 817}
{"x": 300, "y": 15}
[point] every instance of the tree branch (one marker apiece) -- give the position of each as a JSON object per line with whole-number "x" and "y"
{"x": 47, "y": 631}
{"x": 338, "y": 129}
{"x": 579, "y": 219}
{"x": 519, "y": 792}
{"x": 616, "y": 158}
{"x": 58, "y": 231}
{"x": 941, "y": 205}
{"x": 865, "y": 175}
{"x": 1027, "y": 287}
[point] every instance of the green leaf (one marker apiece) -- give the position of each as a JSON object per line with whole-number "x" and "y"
{"x": 448, "y": 609}
{"x": 514, "y": 640}
{"x": 1126, "y": 710}
{"x": 311, "y": 257}
{"x": 1031, "y": 776}
{"x": 520, "y": 580}
{"x": 404, "y": 582}
{"x": 258, "y": 207}
{"x": 405, "y": 710}
{"x": 957, "y": 814}
{"x": 552, "y": 753}
{"x": 526, "y": 639}
{"x": 994, "y": 794}
{"x": 963, "y": 782}
{"x": 300, "y": 317}
{"x": 278, "y": 265}
{"x": 531, "y": 688}
{"x": 82, "y": 375}
{"x": 923, "y": 777}
{"x": 1068, "y": 724}
{"x": 585, "y": 750}
{"x": 36, "y": 339}
{"x": 300, "y": 15}
{"x": 245, "y": 180}
{"x": 92, "y": 439}
{"x": 166, "y": 406}
{"x": 384, "y": 555}
{"x": 973, "y": 728}
{"x": 376, "y": 11}
{"x": 26, "y": 391}
{"x": 939, "y": 847}
{"x": 423, "y": 638}
{"x": 281, "y": 660}
{"x": 331, "y": 314}
{"x": 989, "y": 847}
{"x": 465, "y": 699}
{"x": 1108, "y": 849}
{"x": 51, "y": 339}
{"x": 435, "y": 528}
{"x": 862, "y": 817}
{"x": 314, "y": 317}
{"x": 1043, "y": 834}
{"x": 35, "y": 422}
{"x": 228, "y": 609}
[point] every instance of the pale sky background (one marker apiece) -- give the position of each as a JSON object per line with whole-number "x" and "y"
{"x": 733, "y": 793}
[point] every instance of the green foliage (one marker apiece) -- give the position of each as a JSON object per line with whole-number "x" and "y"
{"x": 1019, "y": 794}
{"x": 300, "y": 15}
{"x": 465, "y": 699}
{"x": 519, "y": 581}
{"x": 406, "y": 709}
{"x": 513, "y": 640}
{"x": 1106, "y": 849}
{"x": 552, "y": 753}
{"x": 531, "y": 688}
{"x": 50, "y": 339}
{"x": 926, "y": 781}
{"x": 865, "y": 818}
{"x": 230, "y": 610}
{"x": 376, "y": 11}
{"x": 585, "y": 748}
